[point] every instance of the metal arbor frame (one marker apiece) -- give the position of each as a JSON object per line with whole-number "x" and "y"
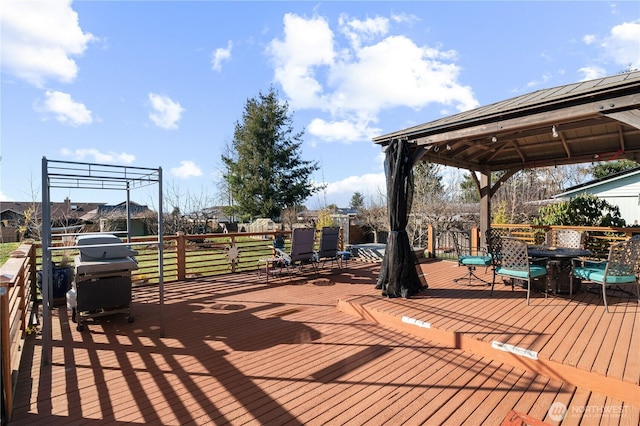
{"x": 79, "y": 175}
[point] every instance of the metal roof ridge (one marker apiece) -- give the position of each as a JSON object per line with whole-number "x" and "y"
{"x": 491, "y": 112}
{"x": 596, "y": 182}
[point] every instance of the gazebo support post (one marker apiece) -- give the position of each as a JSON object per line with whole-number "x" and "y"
{"x": 485, "y": 203}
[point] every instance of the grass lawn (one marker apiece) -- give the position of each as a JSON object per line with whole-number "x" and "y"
{"x": 5, "y": 249}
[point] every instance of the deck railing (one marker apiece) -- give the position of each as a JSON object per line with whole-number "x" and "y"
{"x": 202, "y": 255}
{"x": 597, "y": 239}
{"x": 17, "y": 310}
{"x": 191, "y": 256}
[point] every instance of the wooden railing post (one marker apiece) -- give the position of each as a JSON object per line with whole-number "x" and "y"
{"x": 181, "y": 256}
{"x": 232, "y": 241}
{"x": 431, "y": 242}
{"x": 33, "y": 272}
{"x": 5, "y": 348}
{"x": 475, "y": 241}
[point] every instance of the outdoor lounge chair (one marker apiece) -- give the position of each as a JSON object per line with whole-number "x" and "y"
{"x": 471, "y": 262}
{"x": 622, "y": 267}
{"x": 302, "y": 253}
{"x": 329, "y": 245}
{"x": 514, "y": 263}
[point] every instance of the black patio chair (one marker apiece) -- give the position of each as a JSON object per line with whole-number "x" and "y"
{"x": 471, "y": 262}
{"x": 621, "y": 268}
{"x": 514, "y": 263}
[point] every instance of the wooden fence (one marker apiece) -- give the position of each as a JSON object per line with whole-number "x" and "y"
{"x": 190, "y": 256}
{"x": 202, "y": 255}
{"x": 597, "y": 240}
{"x": 17, "y": 312}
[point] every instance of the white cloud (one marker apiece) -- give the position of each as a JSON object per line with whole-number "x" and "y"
{"x": 307, "y": 44}
{"x": 371, "y": 185}
{"x": 358, "y": 32}
{"x": 186, "y": 170}
{"x": 405, "y": 17}
{"x": 592, "y": 72}
{"x": 544, "y": 79}
{"x": 623, "y": 44}
{"x": 165, "y": 113}
{"x": 94, "y": 155}
{"x": 39, "y": 40}
{"x": 220, "y": 55}
{"x": 4, "y": 197}
{"x": 620, "y": 47}
{"x": 341, "y": 131}
{"x": 65, "y": 109}
{"x": 377, "y": 71}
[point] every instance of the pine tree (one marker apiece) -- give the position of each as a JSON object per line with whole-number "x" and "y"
{"x": 265, "y": 171}
{"x": 357, "y": 201}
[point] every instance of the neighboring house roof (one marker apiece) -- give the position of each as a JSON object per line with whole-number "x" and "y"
{"x": 216, "y": 213}
{"x": 627, "y": 178}
{"x": 116, "y": 211}
{"x": 121, "y": 209}
{"x": 61, "y": 210}
{"x": 262, "y": 222}
{"x": 347, "y": 211}
{"x": 75, "y": 211}
{"x": 6, "y": 211}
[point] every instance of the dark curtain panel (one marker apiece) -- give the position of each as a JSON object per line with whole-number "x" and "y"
{"x": 398, "y": 275}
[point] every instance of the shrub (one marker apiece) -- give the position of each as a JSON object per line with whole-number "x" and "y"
{"x": 585, "y": 210}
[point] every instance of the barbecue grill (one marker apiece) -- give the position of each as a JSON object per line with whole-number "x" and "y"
{"x": 102, "y": 282}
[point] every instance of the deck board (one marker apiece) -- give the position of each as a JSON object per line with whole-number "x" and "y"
{"x": 572, "y": 332}
{"x": 237, "y": 350}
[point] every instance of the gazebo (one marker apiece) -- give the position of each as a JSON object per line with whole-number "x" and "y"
{"x": 596, "y": 120}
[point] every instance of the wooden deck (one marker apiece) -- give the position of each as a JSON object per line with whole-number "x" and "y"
{"x": 331, "y": 350}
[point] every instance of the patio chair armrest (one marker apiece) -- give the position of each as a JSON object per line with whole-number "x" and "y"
{"x": 482, "y": 251}
{"x": 588, "y": 262}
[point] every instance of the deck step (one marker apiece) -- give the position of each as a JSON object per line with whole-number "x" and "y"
{"x": 385, "y": 312}
{"x": 372, "y": 253}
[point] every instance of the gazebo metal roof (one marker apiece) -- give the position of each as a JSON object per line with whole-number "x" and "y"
{"x": 596, "y": 120}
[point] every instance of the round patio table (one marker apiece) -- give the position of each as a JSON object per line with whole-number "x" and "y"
{"x": 559, "y": 266}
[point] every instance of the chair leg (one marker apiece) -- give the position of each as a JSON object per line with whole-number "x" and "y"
{"x": 470, "y": 276}
{"x": 571, "y": 287}
{"x": 493, "y": 283}
{"x": 604, "y": 297}
{"x": 528, "y": 289}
